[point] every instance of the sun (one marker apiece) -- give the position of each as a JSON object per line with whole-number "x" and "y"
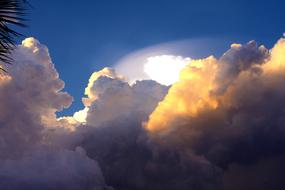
{"x": 165, "y": 69}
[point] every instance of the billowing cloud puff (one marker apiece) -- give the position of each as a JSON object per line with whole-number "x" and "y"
{"x": 30, "y": 95}
{"x": 110, "y": 97}
{"x": 89, "y": 90}
{"x": 188, "y": 96}
{"x": 237, "y": 59}
{"x": 221, "y": 126}
{"x": 237, "y": 128}
{"x": 113, "y": 135}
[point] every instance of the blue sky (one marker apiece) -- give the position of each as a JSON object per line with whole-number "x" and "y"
{"x": 85, "y": 36}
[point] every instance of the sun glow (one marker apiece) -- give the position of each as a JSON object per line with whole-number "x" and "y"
{"x": 165, "y": 69}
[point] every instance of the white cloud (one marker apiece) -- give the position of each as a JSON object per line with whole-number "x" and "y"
{"x": 81, "y": 115}
{"x": 30, "y": 95}
{"x": 165, "y": 69}
{"x": 110, "y": 97}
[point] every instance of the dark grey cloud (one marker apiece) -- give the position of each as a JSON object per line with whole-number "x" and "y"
{"x": 51, "y": 170}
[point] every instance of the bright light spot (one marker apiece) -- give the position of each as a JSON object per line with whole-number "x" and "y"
{"x": 81, "y": 115}
{"x": 165, "y": 69}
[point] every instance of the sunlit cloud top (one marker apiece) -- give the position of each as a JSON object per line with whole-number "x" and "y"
{"x": 165, "y": 69}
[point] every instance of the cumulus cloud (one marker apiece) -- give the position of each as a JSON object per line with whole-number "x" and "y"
{"x": 237, "y": 59}
{"x": 110, "y": 97}
{"x": 89, "y": 90}
{"x": 237, "y": 128}
{"x": 188, "y": 96}
{"x": 30, "y": 95}
{"x": 113, "y": 135}
{"x": 220, "y": 126}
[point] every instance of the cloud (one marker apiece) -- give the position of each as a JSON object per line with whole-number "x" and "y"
{"x": 89, "y": 90}
{"x": 237, "y": 128}
{"x": 81, "y": 115}
{"x": 188, "y": 96}
{"x": 237, "y": 59}
{"x": 51, "y": 170}
{"x": 130, "y": 160}
{"x": 110, "y": 97}
{"x": 220, "y": 126}
{"x": 30, "y": 95}
{"x": 172, "y": 65}
{"x": 113, "y": 135}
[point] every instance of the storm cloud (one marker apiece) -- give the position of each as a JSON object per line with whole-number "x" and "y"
{"x": 221, "y": 126}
